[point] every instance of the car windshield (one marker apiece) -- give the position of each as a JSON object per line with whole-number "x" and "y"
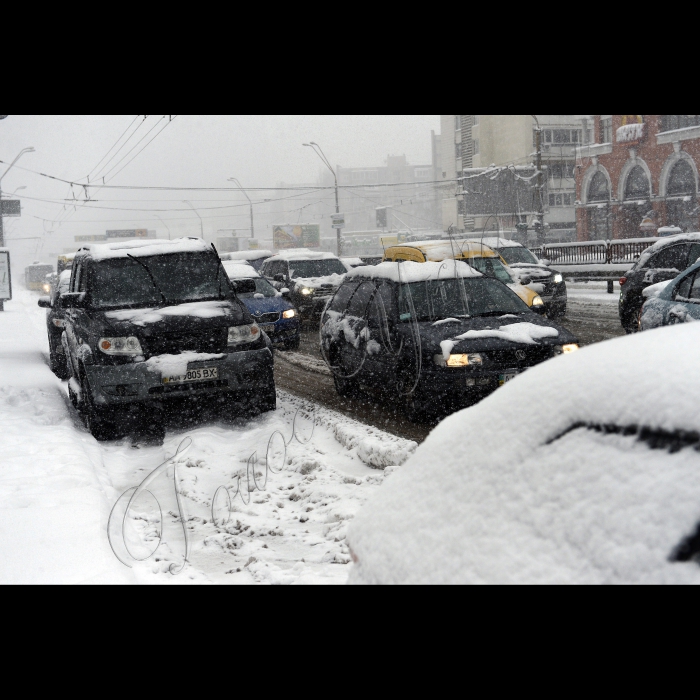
{"x": 491, "y": 267}
{"x": 315, "y": 268}
{"x": 518, "y": 255}
{"x": 173, "y": 279}
{"x": 262, "y": 286}
{"x": 435, "y": 300}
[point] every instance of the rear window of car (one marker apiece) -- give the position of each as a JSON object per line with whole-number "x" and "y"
{"x": 674, "y": 257}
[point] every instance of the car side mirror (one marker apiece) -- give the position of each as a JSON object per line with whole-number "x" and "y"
{"x": 285, "y": 292}
{"x": 279, "y": 277}
{"x": 44, "y": 303}
{"x": 73, "y": 300}
{"x": 525, "y": 280}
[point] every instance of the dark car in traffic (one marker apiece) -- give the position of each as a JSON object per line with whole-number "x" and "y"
{"x": 148, "y": 322}
{"x": 661, "y": 262}
{"x": 55, "y": 322}
{"x": 433, "y": 336}
{"x": 271, "y": 309}
{"x": 311, "y": 277}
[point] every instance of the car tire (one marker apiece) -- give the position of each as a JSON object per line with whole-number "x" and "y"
{"x": 99, "y": 422}
{"x": 347, "y": 388}
{"x": 292, "y": 344}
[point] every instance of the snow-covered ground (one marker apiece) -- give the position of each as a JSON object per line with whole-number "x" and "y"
{"x": 58, "y": 486}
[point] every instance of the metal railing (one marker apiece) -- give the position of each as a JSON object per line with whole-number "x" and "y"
{"x": 595, "y": 252}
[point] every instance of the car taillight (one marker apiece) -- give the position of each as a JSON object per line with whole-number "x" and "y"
{"x": 623, "y": 281}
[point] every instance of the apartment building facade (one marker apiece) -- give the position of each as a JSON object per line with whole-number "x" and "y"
{"x": 478, "y": 141}
{"x": 639, "y": 174}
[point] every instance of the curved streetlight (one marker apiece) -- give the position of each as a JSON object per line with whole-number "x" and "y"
{"x": 164, "y": 224}
{"x": 201, "y": 224}
{"x": 240, "y": 187}
{"x": 319, "y": 152}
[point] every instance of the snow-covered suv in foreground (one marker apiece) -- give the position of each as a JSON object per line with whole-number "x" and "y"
{"x": 599, "y": 484}
{"x": 149, "y": 321}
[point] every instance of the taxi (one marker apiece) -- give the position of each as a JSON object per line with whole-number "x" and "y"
{"x": 475, "y": 254}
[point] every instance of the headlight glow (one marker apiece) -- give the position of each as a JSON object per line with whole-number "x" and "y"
{"x": 306, "y": 291}
{"x": 558, "y": 278}
{"x": 537, "y": 301}
{"x": 46, "y": 288}
{"x": 120, "y": 346}
{"x": 238, "y": 335}
{"x": 462, "y": 360}
{"x": 565, "y": 349}
{"x": 290, "y": 313}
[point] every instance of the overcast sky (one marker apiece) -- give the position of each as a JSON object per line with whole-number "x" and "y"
{"x": 191, "y": 151}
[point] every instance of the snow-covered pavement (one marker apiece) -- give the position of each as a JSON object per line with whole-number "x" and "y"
{"x": 58, "y": 485}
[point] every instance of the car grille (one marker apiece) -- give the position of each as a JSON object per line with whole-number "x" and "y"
{"x": 525, "y": 357}
{"x": 211, "y": 341}
{"x": 267, "y": 318}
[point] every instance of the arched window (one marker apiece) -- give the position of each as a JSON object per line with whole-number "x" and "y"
{"x": 598, "y": 190}
{"x": 637, "y": 185}
{"x": 681, "y": 180}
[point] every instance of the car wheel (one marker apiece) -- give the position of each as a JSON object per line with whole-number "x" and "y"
{"x": 292, "y": 344}
{"x": 98, "y": 421}
{"x": 347, "y": 388}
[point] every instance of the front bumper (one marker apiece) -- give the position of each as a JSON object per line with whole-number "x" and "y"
{"x": 283, "y": 330}
{"x": 312, "y": 307}
{"x": 244, "y": 373}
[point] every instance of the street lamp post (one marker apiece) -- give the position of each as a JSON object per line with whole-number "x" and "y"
{"x": 164, "y": 224}
{"x": 201, "y": 224}
{"x": 238, "y": 184}
{"x": 2, "y": 231}
{"x": 319, "y": 152}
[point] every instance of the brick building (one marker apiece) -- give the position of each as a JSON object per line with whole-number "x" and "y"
{"x": 641, "y": 173}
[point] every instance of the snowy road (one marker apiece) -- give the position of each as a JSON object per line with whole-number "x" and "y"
{"x": 58, "y": 484}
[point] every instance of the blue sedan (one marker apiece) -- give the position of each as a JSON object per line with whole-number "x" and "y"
{"x": 275, "y": 315}
{"x": 677, "y": 302}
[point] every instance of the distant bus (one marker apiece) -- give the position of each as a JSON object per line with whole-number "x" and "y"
{"x": 35, "y": 276}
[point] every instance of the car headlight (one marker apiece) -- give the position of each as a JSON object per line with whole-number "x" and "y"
{"x": 537, "y": 301}
{"x": 306, "y": 291}
{"x": 565, "y": 349}
{"x": 120, "y": 346}
{"x": 238, "y": 335}
{"x": 46, "y": 288}
{"x": 558, "y": 278}
{"x": 290, "y": 313}
{"x": 458, "y": 360}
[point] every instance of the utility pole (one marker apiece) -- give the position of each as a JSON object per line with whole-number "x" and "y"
{"x": 240, "y": 187}
{"x": 539, "y": 224}
{"x": 319, "y": 152}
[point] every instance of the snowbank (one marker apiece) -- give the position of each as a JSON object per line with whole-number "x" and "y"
{"x": 546, "y": 502}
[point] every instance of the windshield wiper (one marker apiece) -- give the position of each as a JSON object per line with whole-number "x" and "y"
{"x": 150, "y": 274}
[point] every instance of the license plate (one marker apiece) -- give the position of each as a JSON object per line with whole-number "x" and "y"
{"x": 269, "y": 328}
{"x": 193, "y": 375}
{"x": 505, "y": 378}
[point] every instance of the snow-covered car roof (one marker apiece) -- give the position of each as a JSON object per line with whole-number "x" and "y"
{"x": 239, "y": 270}
{"x": 146, "y": 247}
{"x": 249, "y": 255}
{"x": 582, "y": 490}
{"x": 302, "y": 254}
{"x": 352, "y": 262}
{"x": 500, "y": 243}
{"x": 407, "y": 272}
{"x": 664, "y": 243}
{"x": 444, "y": 250}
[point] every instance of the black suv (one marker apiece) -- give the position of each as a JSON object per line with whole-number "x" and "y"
{"x": 661, "y": 262}
{"x": 55, "y": 321}
{"x": 433, "y": 336}
{"x": 311, "y": 278}
{"x": 149, "y": 321}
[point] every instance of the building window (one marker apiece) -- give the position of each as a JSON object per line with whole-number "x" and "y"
{"x": 681, "y": 180}
{"x": 598, "y": 190}
{"x": 458, "y": 151}
{"x": 671, "y": 122}
{"x": 476, "y": 147}
{"x": 458, "y": 122}
{"x": 637, "y": 184}
{"x": 563, "y": 199}
{"x": 561, "y": 171}
{"x": 606, "y": 134}
{"x": 476, "y": 120}
{"x": 559, "y": 138}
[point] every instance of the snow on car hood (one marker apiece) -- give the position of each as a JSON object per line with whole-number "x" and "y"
{"x": 334, "y": 280}
{"x": 505, "y": 492}
{"x": 198, "y": 309}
